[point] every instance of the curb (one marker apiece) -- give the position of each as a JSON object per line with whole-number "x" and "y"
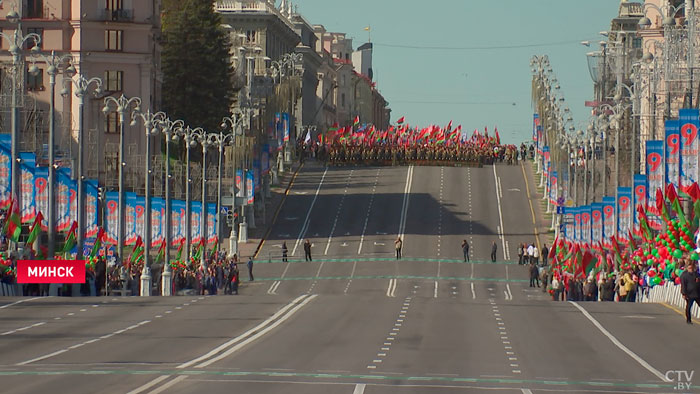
{"x": 277, "y": 212}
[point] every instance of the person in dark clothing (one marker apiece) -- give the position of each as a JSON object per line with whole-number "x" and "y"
{"x": 398, "y": 244}
{"x": 608, "y": 290}
{"x": 690, "y": 288}
{"x": 590, "y": 291}
{"x": 465, "y": 250}
{"x": 250, "y": 269}
{"x": 494, "y": 247}
{"x": 534, "y": 275}
{"x": 100, "y": 275}
{"x": 307, "y": 250}
{"x": 545, "y": 255}
{"x": 284, "y": 251}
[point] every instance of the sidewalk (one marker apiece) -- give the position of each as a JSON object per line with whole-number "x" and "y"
{"x": 278, "y": 194}
{"x": 542, "y": 219}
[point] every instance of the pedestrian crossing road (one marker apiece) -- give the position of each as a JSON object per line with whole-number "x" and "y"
{"x": 355, "y": 319}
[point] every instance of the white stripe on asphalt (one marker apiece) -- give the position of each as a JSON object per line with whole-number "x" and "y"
{"x": 148, "y": 385}
{"x": 473, "y": 292}
{"x": 369, "y": 210}
{"x": 169, "y": 384}
{"x": 20, "y": 301}
{"x": 404, "y": 206}
{"x": 337, "y": 214}
{"x": 526, "y": 391}
{"x": 239, "y": 338}
{"x": 388, "y": 289}
{"x": 359, "y": 388}
{"x": 510, "y": 294}
{"x": 259, "y": 334}
{"x": 619, "y": 344}
{"x": 500, "y": 213}
{"x": 393, "y": 289}
{"x": 305, "y": 227}
{"x": 436, "y": 289}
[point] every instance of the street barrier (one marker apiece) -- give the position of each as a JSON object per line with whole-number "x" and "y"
{"x": 669, "y": 294}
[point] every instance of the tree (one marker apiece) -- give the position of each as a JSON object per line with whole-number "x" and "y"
{"x": 197, "y": 72}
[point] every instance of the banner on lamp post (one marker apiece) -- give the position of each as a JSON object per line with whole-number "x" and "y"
{"x": 5, "y": 170}
{"x": 655, "y": 179}
{"x": 597, "y": 222}
{"x": 609, "y": 225}
{"x": 27, "y": 201}
{"x": 673, "y": 152}
{"x": 689, "y": 120}
{"x": 624, "y": 212}
{"x": 91, "y": 208}
{"x": 41, "y": 194}
{"x": 640, "y": 194}
{"x": 63, "y": 190}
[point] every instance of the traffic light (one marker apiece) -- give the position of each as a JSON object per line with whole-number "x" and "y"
{"x": 100, "y": 193}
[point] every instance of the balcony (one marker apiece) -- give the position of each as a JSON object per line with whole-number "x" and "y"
{"x": 120, "y": 15}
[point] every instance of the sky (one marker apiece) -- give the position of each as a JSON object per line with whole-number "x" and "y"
{"x": 469, "y": 61}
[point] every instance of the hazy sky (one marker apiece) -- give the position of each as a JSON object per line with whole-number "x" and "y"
{"x": 473, "y": 87}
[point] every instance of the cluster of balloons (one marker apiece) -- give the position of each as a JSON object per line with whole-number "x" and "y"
{"x": 178, "y": 265}
{"x": 5, "y": 264}
{"x": 676, "y": 242}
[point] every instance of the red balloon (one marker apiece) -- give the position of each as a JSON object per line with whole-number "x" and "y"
{"x": 677, "y": 281}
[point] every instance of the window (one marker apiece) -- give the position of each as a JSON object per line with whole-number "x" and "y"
{"x": 39, "y": 32}
{"x": 115, "y": 5}
{"x": 113, "y": 80}
{"x": 35, "y": 9}
{"x": 251, "y": 36}
{"x": 342, "y": 80}
{"x": 342, "y": 100}
{"x": 637, "y": 42}
{"x": 35, "y": 82}
{"x": 114, "y": 40}
{"x": 112, "y": 123}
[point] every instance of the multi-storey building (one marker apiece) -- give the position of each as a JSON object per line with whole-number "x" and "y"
{"x": 114, "y": 40}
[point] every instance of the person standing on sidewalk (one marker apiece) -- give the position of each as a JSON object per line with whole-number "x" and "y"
{"x": 250, "y": 269}
{"x": 398, "y": 244}
{"x": 307, "y": 250}
{"x": 284, "y": 252}
{"x": 494, "y": 247}
{"x": 465, "y": 250}
{"x": 690, "y": 288}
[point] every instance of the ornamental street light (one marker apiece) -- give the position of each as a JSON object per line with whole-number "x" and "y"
{"x": 121, "y": 106}
{"x": 190, "y": 137}
{"x": 55, "y": 63}
{"x": 289, "y": 65}
{"x": 221, "y": 140}
{"x": 170, "y": 130}
{"x": 205, "y": 140}
{"x": 83, "y": 86}
{"x": 235, "y": 124}
{"x": 150, "y": 123}
{"x": 16, "y": 42}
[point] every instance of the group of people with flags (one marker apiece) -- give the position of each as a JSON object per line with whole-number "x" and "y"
{"x": 403, "y": 144}
{"x": 645, "y": 236}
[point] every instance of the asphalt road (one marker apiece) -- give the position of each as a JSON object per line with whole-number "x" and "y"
{"x": 356, "y": 319}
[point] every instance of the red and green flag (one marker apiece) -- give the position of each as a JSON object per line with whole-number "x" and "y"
{"x": 401, "y": 120}
{"x": 71, "y": 238}
{"x": 644, "y": 227}
{"x": 661, "y": 205}
{"x": 13, "y": 225}
{"x": 36, "y": 229}
{"x": 675, "y": 203}
{"x": 179, "y": 250}
{"x": 198, "y": 254}
{"x": 98, "y": 242}
{"x": 137, "y": 252}
{"x": 161, "y": 252}
{"x": 356, "y": 121}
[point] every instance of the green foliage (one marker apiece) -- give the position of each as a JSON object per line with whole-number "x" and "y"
{"x": 196, "y": 64}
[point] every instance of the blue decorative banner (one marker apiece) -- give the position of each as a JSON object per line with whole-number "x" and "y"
{"x": 63, "y": 195}
{"x": 673, "y": 153}
{"x": 640, "y": 194}
{"x": 689, "y": 124}
{"x": 130, "y": 219}
{"x": 41, "y": 194}
{"x": 655, "y": 179}
{"x": 250, "y": 187}
{"x": 111, "y": 224}
{"x": 625, "y": 212}
{"x": 140, "y": 218}
{"x": 196, "y": 221}
{"x": 91, "y": 208}
{"x": 157, "y": 237}
{"x": 5, "y": 170}
{"x": 609, "y": 224}
{"x": 578, "y": 224}
{"x": 27, "y": 203}
{"x": 178, "y": 216}
{"x": 597, "y": 222}
{"x": 569, "y": 225}
{"x": 285, "y": 127}
{"x": 586, "y": 223}
{"x": 211, "y": 223}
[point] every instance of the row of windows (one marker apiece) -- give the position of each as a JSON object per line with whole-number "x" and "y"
{"x": 113, "y": 81}
{"x": 114, "y": 39}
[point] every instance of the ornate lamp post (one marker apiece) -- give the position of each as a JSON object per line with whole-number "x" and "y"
{"x": 122, "y": 106}
{"x": 235, "y": 125}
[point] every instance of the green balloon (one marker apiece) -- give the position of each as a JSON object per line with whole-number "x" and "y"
{"x": 650, "y": 262}
{"x": 694, "y": 256}
{"x": 679, "y": 271}
{"x": 672, "y": 266}
{"x": 646, "y": 253}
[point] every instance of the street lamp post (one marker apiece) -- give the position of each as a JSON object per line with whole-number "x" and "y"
{"x": 150, "y": 123}
{"x": 122, "y": 106}
{"x": 205, "y": 140}
{"x": 16, "y": 42}
{"x": 170, "y": 130}
{"x": 190, "y": 136}
{"x": 234, "y": 123}
{"x": 82, "y": 87}
{"x": 54, "y": 63}
{"x": 221, "y": 140}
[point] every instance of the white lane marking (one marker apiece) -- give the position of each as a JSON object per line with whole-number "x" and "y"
{"x": 337, "y": 214}
{"x": 473, "y": 292}
{"x": 510, "y": 294}
{"x": 619, "y": 344}
{"x": 359, "y": 388}
{"x": 273, "y": 288}
{"x": 237, "y": 339}
{"x": 257, "y": 335}
{"x": 352, "y": 274}
{"x": 369, "y": 210}
{"x": 20, "y": 301}
{"x": 148, "y": 385}
{"x": 388, "y": 289}
{"x": 169, "y": 384}
{"x": 393, "y": 289}
{"x": 80, "y": 344}
{"x": 500, "y": 213}
{"x": 371, "y": 367}
{"x": 23, "y": 328}
{"x": 525, "y": 391}
{"x": 436, "y": 289}
{"x": 305, "y": 227}
{"x": 404, "y": 206}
